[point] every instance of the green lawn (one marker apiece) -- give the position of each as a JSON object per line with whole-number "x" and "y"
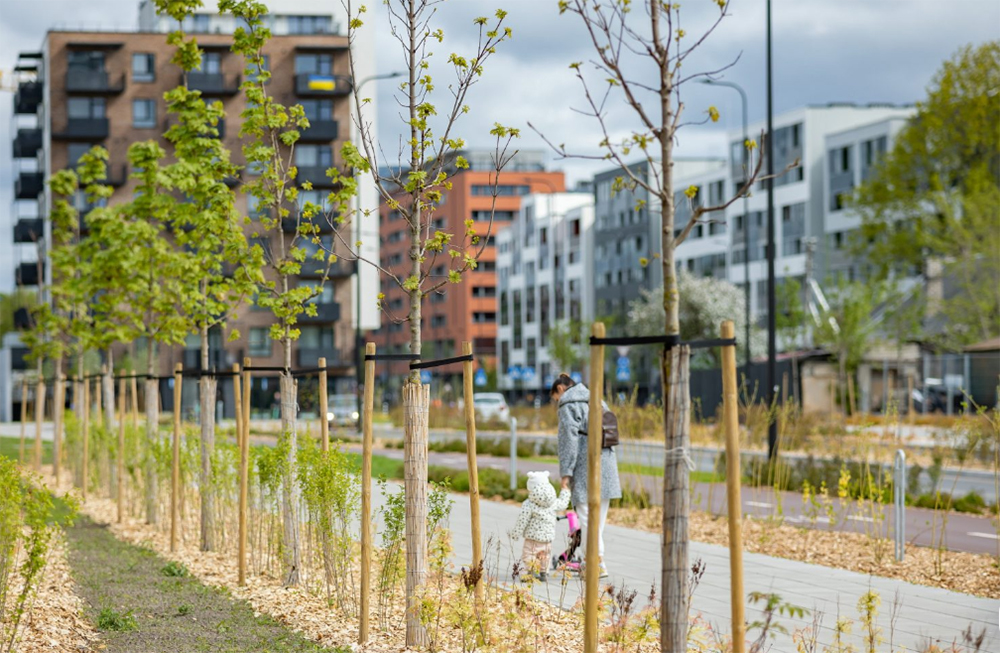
{"x": 643, "y": 470}
{"x": 10, "y": 447}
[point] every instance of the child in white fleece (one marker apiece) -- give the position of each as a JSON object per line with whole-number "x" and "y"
{"x": 537, "y": 524}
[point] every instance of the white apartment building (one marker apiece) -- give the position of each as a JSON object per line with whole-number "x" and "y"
{"x": 544, "y": 277}
{"x": 836, "y": 146}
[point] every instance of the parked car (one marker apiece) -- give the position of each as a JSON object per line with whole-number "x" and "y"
{"x": 490, "y": 405}
{"x": 342, "y": 410}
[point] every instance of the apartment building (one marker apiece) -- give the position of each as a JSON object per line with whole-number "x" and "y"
{"x": 106, "y": 88}
{"x": 466, "y": 311}
{"x": 545, "y": 263}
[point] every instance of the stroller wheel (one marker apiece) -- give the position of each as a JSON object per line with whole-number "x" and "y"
{"x": 555, "y": 562}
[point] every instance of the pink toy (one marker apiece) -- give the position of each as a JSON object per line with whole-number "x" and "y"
{"x": 568, "y": 559}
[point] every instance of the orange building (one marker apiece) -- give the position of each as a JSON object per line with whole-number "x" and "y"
{"x": 459, "y": 312}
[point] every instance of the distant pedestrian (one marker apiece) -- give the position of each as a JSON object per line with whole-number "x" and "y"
{"x": 573, "y": 400}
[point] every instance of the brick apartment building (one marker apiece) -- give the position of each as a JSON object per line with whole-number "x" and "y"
{"x": 106, "y": 88}
{"x": 465, "y": 311}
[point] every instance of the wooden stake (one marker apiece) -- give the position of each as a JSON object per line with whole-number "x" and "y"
{"x": 86, "y": 437}
{"x": 784, "y": 388}
{"x": 324, "y": 423}
{"x": 39, "y": 418}
{"x": 175, "y": 465}
{"x": 99, "y": 396}
{"x": 593, "y": 558}
{"x": 853, "y": 407}
{"x": 366, "y": 491}
{"x": 833, "y": 397}
{"x": 730, "y": 417}
{"x": 241, "y": 556}
{"x": 470, "y": 448}
{"x": 58, "y": 405}
{"x": 135, "y": 400}
{"x": 909, "y": 398}
{"x": 121, "y": 449}
{"x": 24, "y": 418}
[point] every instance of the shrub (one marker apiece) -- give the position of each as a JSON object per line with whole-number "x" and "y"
{"x": 111, "y": 619}
{"x": 175, "y": 569}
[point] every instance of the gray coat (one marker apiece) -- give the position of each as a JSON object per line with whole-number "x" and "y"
{"x": 573, "y": 414}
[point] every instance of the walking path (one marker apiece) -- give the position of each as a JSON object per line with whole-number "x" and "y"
{"x": 633, "y": 558}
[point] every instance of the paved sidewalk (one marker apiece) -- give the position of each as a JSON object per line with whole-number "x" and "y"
{"x": 633, "y": 558}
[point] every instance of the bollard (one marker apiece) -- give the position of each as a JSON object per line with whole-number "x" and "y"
{"x": 899, "y": 496}
{"x": 513, "y": 453}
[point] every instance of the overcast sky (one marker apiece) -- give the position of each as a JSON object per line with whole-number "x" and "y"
{"x": 824, "y": 51}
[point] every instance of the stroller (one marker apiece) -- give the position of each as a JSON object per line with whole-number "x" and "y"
{"x": 568, "y": 560}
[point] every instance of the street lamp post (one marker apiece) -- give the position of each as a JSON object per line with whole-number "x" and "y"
{"x": 746, "y": 218}
{"x": 772, "y": 430}
{"x": 358, "y": 344}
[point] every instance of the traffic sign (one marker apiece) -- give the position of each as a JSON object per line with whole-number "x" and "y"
{"x": 425, "y": 376}
{"x": 514, "y": 372}
{"x": 623, "y": 371}
{"x": 528, "y": 374}
{"x": 480, "y": 378}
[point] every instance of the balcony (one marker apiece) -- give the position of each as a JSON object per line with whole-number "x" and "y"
{"x": 93, "y": 82}
{"x": 28, "y": 185}
{"x": 319, "y": 131}
{"x": 306, "y": 357}
{"x": 315, "y": 175}
{"x": 28, "y": 97}
{"x": 83, "y": 129}
{"x": 290, "y": 225}
{"x": 27, "y": 143}
{"x": 309, "y": 85}
{"x": 213, "y": 84}
{"x": 28, "y": 230}
{"x": 313, "y": 269}
{"x": 326, "y": 313}
{"x": 218, "y": 359}
{"x": 26, "y": 274}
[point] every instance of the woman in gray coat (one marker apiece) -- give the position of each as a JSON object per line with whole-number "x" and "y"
{"x": 574, "y": 409}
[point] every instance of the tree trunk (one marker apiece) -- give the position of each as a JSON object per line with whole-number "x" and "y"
{"x": 676, "y": 502}
{"x": 207, "y": 398}
{"x": 152, "y": 435}
{"x": 58, "y": 402}
{"x": 108, "y": 392}
{"x": 290, "y": 491}
{"x": 81, "y": 409}
{"x": 416, "y": 401}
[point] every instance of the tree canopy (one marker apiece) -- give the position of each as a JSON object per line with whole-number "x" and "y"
{"x": 932, "y": 202}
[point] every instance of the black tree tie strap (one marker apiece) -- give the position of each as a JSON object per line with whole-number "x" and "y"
{"x": 391, "y": 357}
{"x": 668, "y": 341}
{"x": 423, "y": 365}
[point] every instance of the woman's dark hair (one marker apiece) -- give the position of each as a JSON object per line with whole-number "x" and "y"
{"x": 562, "y": 381}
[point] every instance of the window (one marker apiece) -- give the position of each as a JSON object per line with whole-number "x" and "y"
{"x": 318, "y": 109}
{"x": 315, "y": 197}
{"x": 310, "y": 24}
{"x": 498, "y": 216}
{"x": 437, "y": 298}
{"x": 487, "y": 266}
{"x": 313, "y": 156}
{"x": 143, "y": 67}
{"x": 315, "y": 337}
{"x": 517, "y": 319}
{"x": 265, "y": 64}
{"x": 211, "y": 63}
{"x": 484, "y": 291}
{"x": 501, "y": 190}
{"x": 484, "y": 318}
{"x": 439, "y": 320}
{"x": 144, "y": 113}
{"x": 75, "y": 151}
{"x": 504, "y": 317}
{"x": 260, "y": 342}
{"x": 529, "y": 305}
{"x": 532, "y": 353}
{"x": 85, "y": 107}
{"x": 85, "y": 61}
{"x": 313, "y": 64}
{"x": 193, "y": 24}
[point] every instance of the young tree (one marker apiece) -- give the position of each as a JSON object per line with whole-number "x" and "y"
{"x": 705, "y": 302}
{"x": 567, "y": 343}
{"x": 625, "y": 43}
{"x": 846, "y": 328}
{"x": 272, "y": 131}
{"x": 207, "y": 225}
{"x": 431, "y": 156}
{"x": 932, "y": 202}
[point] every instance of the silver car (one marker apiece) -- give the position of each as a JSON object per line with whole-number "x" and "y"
{"x": 342, "y": 410}
{"x": 491, "y": 405}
